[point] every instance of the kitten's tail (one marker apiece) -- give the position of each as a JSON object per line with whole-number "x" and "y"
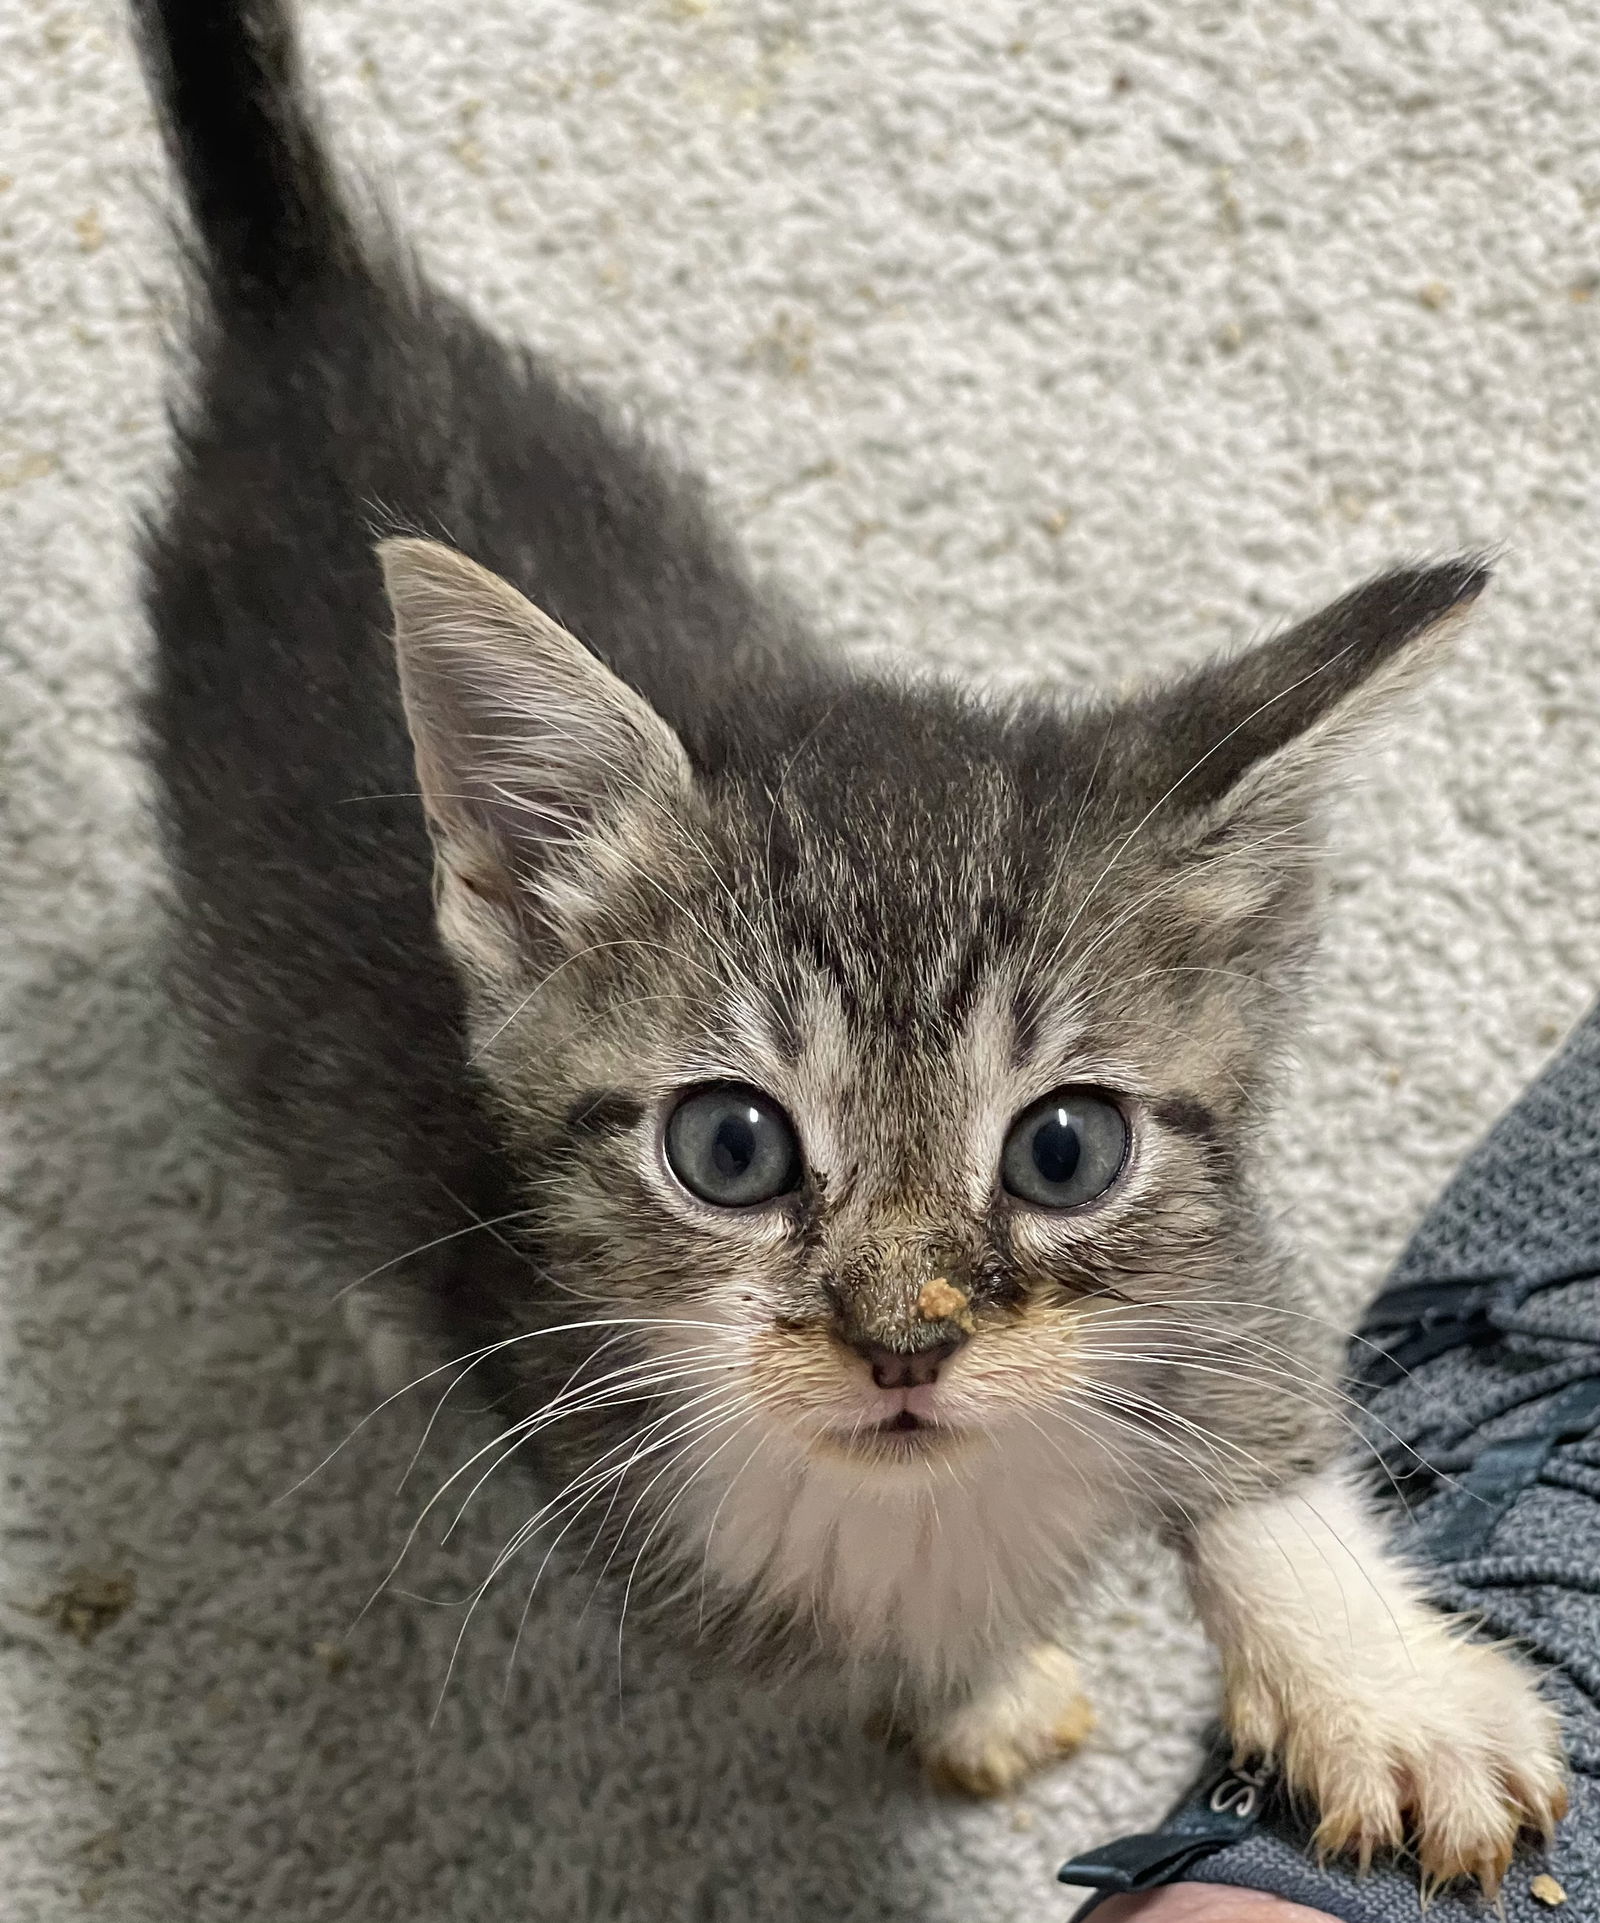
{"x": 266, "y": 207}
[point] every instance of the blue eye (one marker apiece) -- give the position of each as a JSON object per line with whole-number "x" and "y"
{"x": 733, "y": 1146}
{"x": 1066, "y": 1150}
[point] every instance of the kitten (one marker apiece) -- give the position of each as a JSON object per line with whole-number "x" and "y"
{"x": 855, "y": 1077}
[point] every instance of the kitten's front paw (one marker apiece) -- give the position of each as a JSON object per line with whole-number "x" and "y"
{"x": 1006, "y": 1732}
{"x": 1457, "y": 1752}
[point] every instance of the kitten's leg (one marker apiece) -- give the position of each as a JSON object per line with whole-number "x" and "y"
{"x": 1028, "y": 1717}
{"x": 1371, "y": 1702}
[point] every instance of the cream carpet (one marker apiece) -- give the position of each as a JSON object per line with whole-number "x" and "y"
{"x": 1025, "y": 337}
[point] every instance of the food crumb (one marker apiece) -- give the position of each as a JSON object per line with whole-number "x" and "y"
{"x": 334, "y": 1657}
{"x": 942, "y": 1301}
{"x": 1548, "y": 1891}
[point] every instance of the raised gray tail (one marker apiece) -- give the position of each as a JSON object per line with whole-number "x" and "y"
{"x": 266, "y": 208}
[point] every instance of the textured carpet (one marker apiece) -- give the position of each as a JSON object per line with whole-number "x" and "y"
{"x": 1022, "y": 337}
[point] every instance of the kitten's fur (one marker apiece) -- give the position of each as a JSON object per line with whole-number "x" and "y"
{"x": 902, "y": 910}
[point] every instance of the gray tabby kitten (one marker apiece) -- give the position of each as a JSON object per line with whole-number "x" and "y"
{"x": 858, "y": 1075}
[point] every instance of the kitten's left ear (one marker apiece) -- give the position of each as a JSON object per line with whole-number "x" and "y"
{"x": 526, "y": 744}
{"x": 1257, "y": 732}
{"x": 1228, "y": 765}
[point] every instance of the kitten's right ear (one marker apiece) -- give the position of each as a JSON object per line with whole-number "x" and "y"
{"x": 526, "y": 744}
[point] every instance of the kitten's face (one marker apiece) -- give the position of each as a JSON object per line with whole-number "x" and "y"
{"x": 893, "y": 1090}
{"x": 890, "y": 1106}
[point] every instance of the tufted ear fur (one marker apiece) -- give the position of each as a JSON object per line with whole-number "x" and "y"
{"x": 1252, "y": 727}
{"x": 1232, "y": 760}
{"x": 526, "y": 744}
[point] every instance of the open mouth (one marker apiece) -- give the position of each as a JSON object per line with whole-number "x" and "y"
{"x": 906, "y": 1435}
{"x": 902, "y": 1436}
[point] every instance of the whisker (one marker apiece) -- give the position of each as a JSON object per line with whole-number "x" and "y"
{"x": 473, "y": 1356}
{"x": 716, "y": 1517}
{"x": 517, "y": 1434}
{"x": 620, "y": 1395}
{"x": 579, "y": 1497}
{"x": 569, "y": 961}
{"x": 423, "y": 1248}
{"x": 595, "y": 1476}
{"x": 659, "y": 1523}
{"x": 520, "y": 1539}
{"x": 1161, "y": 800}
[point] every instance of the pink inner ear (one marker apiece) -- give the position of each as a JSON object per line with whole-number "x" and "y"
{"x": 523, "y": 737}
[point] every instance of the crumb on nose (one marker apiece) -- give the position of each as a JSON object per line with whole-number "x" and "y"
{"x": 942, "y": 1301}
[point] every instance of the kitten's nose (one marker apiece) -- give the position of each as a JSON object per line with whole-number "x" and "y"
{"x": 902, "y": 1369}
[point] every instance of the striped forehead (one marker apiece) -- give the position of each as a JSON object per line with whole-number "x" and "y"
{"x": 874, "y": 1099}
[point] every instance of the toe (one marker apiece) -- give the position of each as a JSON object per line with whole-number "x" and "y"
{"x": 1074, "y": 1726}
{"x": 990, "y": 1773}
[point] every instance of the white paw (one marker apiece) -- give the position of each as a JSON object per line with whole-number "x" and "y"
{"x": 1443, "y": 1744}
{"x": 1006, "y": 1732}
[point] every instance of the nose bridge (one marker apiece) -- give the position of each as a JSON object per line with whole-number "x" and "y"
{"x": 908, "y": 1127}
{"x": 888, "y": 1294}
{"x": 905, "y": 1225}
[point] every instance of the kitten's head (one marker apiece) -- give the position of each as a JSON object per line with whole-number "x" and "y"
{"x": 897, "y": 1080}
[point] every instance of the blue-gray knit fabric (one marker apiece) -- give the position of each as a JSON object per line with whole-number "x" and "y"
{"x": 1518, "y": 1230}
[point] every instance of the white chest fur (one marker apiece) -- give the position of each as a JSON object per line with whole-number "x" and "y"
{"x": 928, "y": 1569}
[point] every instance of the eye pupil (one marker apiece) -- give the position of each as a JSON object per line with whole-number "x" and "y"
{"x": 732, "y": 1146}
{"x": 1057, "y": 1148}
